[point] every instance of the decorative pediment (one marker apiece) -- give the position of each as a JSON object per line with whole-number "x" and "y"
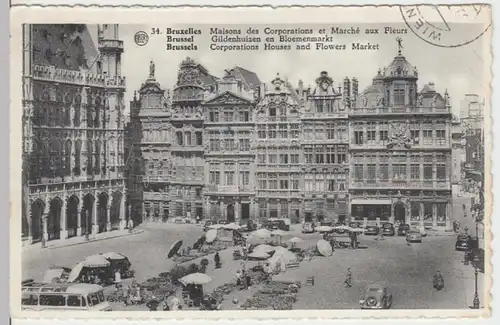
{"x": 229, "y": 98}
{"x": 399, "y": 137}
{"x": 149, "y": 88}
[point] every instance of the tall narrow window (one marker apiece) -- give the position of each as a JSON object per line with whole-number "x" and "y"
{"x": 97, "y": 110}
{"x": 399, "y": 94}
{"x": 67, "y": 160}
{"x": 78, "y": 151}
{"x": 90, "y": 158}
{"x": 97, "y": 154}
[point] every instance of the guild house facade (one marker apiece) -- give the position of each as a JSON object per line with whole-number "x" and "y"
{"x": 73, "y": 132}
{"x": 257, "y": 150}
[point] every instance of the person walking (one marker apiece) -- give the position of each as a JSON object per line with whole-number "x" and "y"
{"x": 217, "y": 261}
{"x": 348, "y": 279}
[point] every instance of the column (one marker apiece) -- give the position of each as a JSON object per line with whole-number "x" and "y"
{"x": 448, "y": 216}
{"x": 95, "y": 226}
{"x": 222, "y": 214}
{"x": 253, "y": 209}
{"x": 122, "y": 212}
{"x": 391, "y": 218}
{"x": 434, "y": 214}
{"x": 129, "y": 209}
{"x": 45, "y": 233}
{"x": 79, "y": 215}
{"x": 268, "y": 212}
{"x": 301, "y": 211}
{"x": 64, "y": 231}
{"x": 207, "y": 209}
{"x": 237, "y": 209}
{"x": 108, "y": 212}
{"x": 421, "y": 214}
{"x": 29, "y": 216}
{"x": 289, "y": 212}
{"x": 278, "y": 207}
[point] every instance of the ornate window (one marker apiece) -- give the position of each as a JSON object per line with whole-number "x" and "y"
{"x": 78, "y": 152}
{"x": 67, "y": 157}
{"x": 90, "y": 158}
{"x": 97, "y": 155}
{"x": 399, "y": 94}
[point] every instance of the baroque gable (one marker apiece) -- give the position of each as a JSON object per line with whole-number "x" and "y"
{"x": 228, "y": 98}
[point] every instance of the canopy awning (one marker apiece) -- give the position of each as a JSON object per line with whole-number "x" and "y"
{"x": 371, "y": 201}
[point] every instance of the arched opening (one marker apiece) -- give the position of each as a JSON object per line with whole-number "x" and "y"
{"x": 87, "y": 211}
{"x": 102, "y": 212}
{"x": 72, "y": 216}
{"x": 37, "y": 209}
{"x": 54, "y": 219}
{"x": 230, "y": 213}
{"x": 400, "y": 213}
{"x": 115, "y": 210}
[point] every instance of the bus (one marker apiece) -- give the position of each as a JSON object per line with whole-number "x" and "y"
{"x": 63, "y": 296}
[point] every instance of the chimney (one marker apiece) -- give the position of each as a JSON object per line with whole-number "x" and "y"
{"x": 354, "y": 89}
{"x": 347, "y": 92}
{"x": 262, "y": 90}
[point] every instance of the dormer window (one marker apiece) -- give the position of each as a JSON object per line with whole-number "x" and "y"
{"x": 272, "y": 110}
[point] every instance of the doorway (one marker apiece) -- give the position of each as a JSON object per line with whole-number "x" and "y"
{"x": 230, "y": 213}
{"x": 245, "y": 211}
{"x": 400, "y": 213}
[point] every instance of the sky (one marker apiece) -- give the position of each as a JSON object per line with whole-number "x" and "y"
{"x": 461, "y": 70}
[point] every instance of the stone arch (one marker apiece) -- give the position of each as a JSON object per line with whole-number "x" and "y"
{"x": 114, "y": 212}
{"x": 400, "y": 210}
{"x": 54, "y": 219}
{"x": 102, "y": 211}
{"x": 37, "y": 208}
{"x": 87, "y": 216}
{"x": 72, "y": 216}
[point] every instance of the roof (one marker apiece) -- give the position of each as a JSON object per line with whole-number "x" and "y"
{"x": 82, "y": 288}
{"x": 65, "y": 46}
{"x": 248, "y": 77}
{"x": 400, "y": 67}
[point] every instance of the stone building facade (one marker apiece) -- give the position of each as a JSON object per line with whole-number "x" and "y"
{"x": 308, "y": 154}
{"x": 400, "y": 150}
{"x": 73, "y": 132}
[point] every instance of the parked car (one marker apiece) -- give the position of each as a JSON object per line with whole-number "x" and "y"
{"x": 414, "y": 236}
{"x": 375, "y": 297}
{"x": 224, "y": 222}
{"x": 355, "y": 224}
{"x": 403, "y": 230}
{"x": 372, "y": 230}
{"x": 388, "y": 229}
{"x": 308, "y": 228}
{"x": 462, "y": 243}
{"x": 280, "y": 224}
{"x": 326, "y": 223}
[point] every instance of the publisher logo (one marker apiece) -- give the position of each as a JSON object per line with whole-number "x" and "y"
{"x": 141, "y": 38}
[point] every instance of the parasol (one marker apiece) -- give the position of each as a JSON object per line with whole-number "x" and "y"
{"x": 254, "y": 240}
{"x": 358, "y": 230}
{"x": 279, "y": 232}
{"x": 114, "y": 256}
{"x": 343, "y": 227}
{"x": 216, "y": 226}
{"x": 264, "y": 248}
{"x": 258, "y": 255}
{"x": 231, "y": 226}
{"x": 196, "y": 278}
{"x": 295, "y": 240}
{"x": 324, "y": 248}
{"x": 95, "y": 261}
{"x": 174, "y": 248}
{"x": 210, "y": 236}
{"x": 261, "y": 233}
{"x": 324, "y": 229}
{"x": 199, "y": 243}
{"x": 75, "y": 272}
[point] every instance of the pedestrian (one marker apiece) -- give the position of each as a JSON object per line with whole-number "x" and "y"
{"x": 198, "y": 219}
{"x": 217, "y": 261}
{"x": 348, "y": 279}
{"x": 118, "y": 277}
{"x": 126, "y": 295}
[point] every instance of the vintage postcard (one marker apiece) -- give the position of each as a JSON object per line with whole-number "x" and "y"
{"x": 327, "y": 162}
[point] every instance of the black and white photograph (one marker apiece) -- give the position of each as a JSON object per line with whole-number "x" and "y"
{"x": 200, "y": 166}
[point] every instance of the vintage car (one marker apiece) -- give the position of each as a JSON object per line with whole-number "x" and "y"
{"x": 248, "y": 226}
{"x": 375, "y": 297}
{"x": 388, "y": 229}
{"x": 371, "y": 230}
{"x": 308, "y": 228}
{"x": 278, "y": 223}
{"x": 403, "y": 230}
{"x": 462, "y": 243}
{"x": 414, "y": 236}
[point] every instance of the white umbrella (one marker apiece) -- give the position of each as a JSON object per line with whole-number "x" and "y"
{"x": 231, "y": 226}
{"x": 114, "y": 256}
{"x": 95, "y": 261}
{"x": 358, "y": 230}
{"x": 264, "y": 248}
{"x": 342, "y": 227}
{"x": 216, "y": 226}
{"x": 211, "y": 235}
{"x": 295, "y": 240}
{"x": 254, "y": 240}
{"x": 75, "y": 272}
{"x": 261, "y": 233}
{"x": 258, "y": 255}
{"x": 279, "y": 232}
{"x": 324, "y": 229}
{"x": 196, "y": 278}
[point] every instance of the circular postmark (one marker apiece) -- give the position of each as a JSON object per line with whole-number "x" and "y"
{"x": 141, "y": 38}
{"x": 447, "y": 26}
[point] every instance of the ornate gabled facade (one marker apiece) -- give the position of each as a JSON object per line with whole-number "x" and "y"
{"x": 278, "y": 150}
{"x": 324, "y": 144}
{"x": 229, "y": 154}
{"x": 400, "y": 150}
{"x": 73, "y": 177}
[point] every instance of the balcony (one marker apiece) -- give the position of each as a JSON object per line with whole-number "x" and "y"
{"x": 230, "y": 189}
{"x": 267, "y": 193}
{"x": 156, "y": 196}
{"x": 186, "y": 98}
{"x": 197, "y": 116}
{"x": 156, "y": 179}
{"x": 324, "y": 116}
{"x": 51, "y": 74}
{"x": 187, "y": 148}
{"x": 109, "y": 45}
{"x": 398, "y": 111}
{"x": 382, "y": 145}
{"x": 401, "y": 184}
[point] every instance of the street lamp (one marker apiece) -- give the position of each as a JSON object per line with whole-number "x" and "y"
{"x": 475, "y": 301}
